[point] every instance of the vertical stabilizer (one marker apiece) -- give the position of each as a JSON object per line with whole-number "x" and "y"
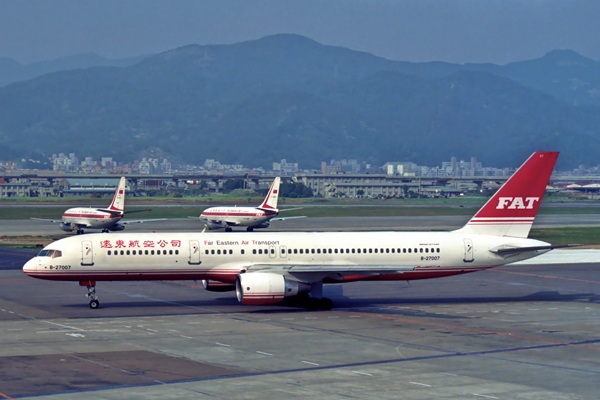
{"x": 118, "y": 203}
{"x": 270, "y": 202}
{"x": 511, "y": 211}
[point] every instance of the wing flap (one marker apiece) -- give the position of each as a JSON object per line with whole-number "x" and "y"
{"x": 337, "y": 269}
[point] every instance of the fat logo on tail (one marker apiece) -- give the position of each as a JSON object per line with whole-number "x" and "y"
{"x": 511, "y": 211}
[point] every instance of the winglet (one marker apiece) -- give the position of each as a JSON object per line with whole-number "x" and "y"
{"x": 511, "y": 211}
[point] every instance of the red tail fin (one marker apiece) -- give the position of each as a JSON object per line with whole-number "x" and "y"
{"x": 511, "y": 211}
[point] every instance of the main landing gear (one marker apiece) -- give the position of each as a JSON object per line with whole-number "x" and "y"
{"x": 317, "y": 301}
{"x": 80, "y": 231}
{"x": 91, "y": 294}
{"x": 249, "y": 229}
{"x": 228, "y": 228}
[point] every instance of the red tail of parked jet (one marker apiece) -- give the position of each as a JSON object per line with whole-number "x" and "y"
{"x": 511, "y": 211}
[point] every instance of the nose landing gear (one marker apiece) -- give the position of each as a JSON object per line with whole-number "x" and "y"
{"x": 91, "y": 294}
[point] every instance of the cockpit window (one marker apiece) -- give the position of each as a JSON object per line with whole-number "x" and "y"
{"x": 50, "y": 253}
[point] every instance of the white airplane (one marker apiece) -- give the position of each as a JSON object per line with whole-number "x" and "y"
{"x": 266, "y": 268}
{"x": 107, "y": 219}
{"x": 251, "y": 217}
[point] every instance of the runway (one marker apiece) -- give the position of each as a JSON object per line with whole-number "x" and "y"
{"x": 515, "y": 332}
{"x": 21, "y": 227}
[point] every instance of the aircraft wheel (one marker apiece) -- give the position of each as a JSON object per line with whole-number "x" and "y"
{"x": 325, "y": 304}
{"x": 104, "y": 230}
{"x": 249, "y": 229}
{"x": 228, "y": 229}
{"x": 94, "y": 304}
{"x": 312, "y": 304}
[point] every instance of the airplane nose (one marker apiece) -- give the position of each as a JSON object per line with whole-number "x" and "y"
{"x": 30, "y": 266}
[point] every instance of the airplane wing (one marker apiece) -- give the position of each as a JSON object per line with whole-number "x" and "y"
{"x": 48, "y": 220}
{"x": 290, "y": 209}
{"x": 284, "y": 218}
{"x": 118, "y": 212}
{"x": 140, "y": 221}
{"x": 335, "y": 270}
{"x": 507, "y": 251}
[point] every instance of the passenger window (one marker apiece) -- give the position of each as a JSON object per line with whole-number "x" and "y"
{"x": 146, "y": 252}
{"x": 420, "y": 250}
{"x": 393, "y": 250}
{"x": 353, "y": 251}
{"x": 282, "y": 251}
{"x": 170, "y": 252}
{"x": 212, "y": 252}
{"x": 259, "y": 251}
{"x": 109, "y": 252}
{"x": 347, "y": 251}
{"x": 370, "y": 251}
{"x": 318, "y": 251}
{"x": 242, "y": 251}
{"x": 230, "y": 251}
{"x": 295, "y": 251}
{"x": 219, "y": 252}
{"x": 335, "y": 251}
{"x": 375, "y": 250}
{"x": 409, "y": 250}
{"x": 404, "y": 250}
{"x": 253, "y": 251}
{"x": 358, "y": 251}
{"x": 272, "y": 251}
{"x": 176, "y": 252}
{"x": 206, "y": 251}
{"x": 415, "y": 250}
{"x": 301, "y": 251}
{"x": 127, "y": 252}
{"x": 122, "y": 252}
{"x": 438, "y": 249}
{"x": 329, "y": 251}
{"x": 312, "y": 251}
{"x": 426, "y": 250}
{"x": 164, "y": 252}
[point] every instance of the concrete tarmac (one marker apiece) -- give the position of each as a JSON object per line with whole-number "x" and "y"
{"x": 22, "y": 227}
{"x": 528, "y": 331}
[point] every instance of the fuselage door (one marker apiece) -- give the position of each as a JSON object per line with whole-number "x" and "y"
{"x": 283, "y": 251}
{"x": 194, "y": 252}
{"x": 87, "y": 253}
{"x": 273, "y": 251}
{"x": 468, "y": 250}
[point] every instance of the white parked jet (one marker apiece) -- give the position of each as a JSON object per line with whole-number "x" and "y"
{"x": 251, "y": 217}
{"x": 107, "y": 219}
{"x": 265, "y": 268}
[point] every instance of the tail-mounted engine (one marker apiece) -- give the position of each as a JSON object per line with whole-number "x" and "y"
{"x": 217, "y": 286}
{"x": 260, "y": 288}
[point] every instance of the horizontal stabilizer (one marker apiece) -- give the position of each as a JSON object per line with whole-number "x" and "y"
{"x": 111, "y": 212}
{"x": 136, "y": 211}
{"x": 510, "y": 251}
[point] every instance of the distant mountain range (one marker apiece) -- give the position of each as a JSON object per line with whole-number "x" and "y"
{"x": 286, "y": 96}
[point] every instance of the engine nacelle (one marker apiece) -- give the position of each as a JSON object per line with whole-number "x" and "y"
{"x": 258, "y": 288}
{"x": 116, "y": 227}
{"x": 217, "y": 286}
{"x": 66, "y": 227}
{"x": 265, "y": 224}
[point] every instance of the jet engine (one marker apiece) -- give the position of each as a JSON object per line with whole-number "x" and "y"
{"x": 117, "y": 227}
{"x": 260, "y": 288}
{"x": 265, "y": 224}
{"x": 217, "y": 286}
{"x": 66, "y": 227}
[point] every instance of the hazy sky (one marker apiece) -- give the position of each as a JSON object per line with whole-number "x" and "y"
{"x": 497, "y": 31}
